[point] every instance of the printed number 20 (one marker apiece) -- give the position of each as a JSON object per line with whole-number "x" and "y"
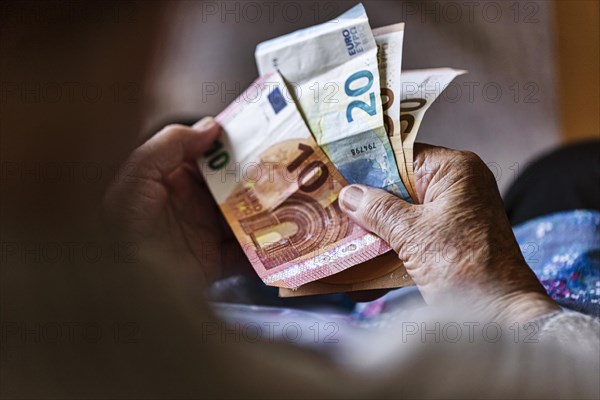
{"x": 371, "y": 108}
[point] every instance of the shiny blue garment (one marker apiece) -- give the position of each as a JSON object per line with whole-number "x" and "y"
{"x": 563, "y": 250}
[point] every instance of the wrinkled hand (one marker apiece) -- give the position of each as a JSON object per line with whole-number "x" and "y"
{"x": 457, "y": 245}
{"x": 160, "y": 203}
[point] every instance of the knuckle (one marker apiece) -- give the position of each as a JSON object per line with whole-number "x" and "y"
{"x": 377, "y": 209}
{"x": 479, "y": 169}
{"x": 472, "y": 165}
{"x": 401, "y": 231}
{"x": 471, "y": 159}
{"x": 383, "y": 214}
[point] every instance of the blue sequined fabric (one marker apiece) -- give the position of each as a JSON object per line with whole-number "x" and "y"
{"x": 563, "y": 250}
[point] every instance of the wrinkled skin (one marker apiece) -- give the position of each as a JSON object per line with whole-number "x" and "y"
{"x": 457, "y": 244}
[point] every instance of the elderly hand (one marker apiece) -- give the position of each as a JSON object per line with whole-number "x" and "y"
{"x": 161, "y": 203}
{"x": 457, "y": 245}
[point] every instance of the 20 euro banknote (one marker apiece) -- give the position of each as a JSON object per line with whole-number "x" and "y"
{"x": 333, "y": 68}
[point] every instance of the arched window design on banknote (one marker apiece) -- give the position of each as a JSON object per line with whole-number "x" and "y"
{"x": 298, "y": 226}
{"x": 303, "y": 217}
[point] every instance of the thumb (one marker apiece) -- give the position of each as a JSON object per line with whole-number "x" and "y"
{"x": 382, "y": 213}
{"x": 175, "y": 144}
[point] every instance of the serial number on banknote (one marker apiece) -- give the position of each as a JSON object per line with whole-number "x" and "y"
{"x": 363, "y": 149}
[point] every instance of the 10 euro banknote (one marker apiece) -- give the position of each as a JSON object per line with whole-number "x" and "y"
{"x": 279, "y": 192}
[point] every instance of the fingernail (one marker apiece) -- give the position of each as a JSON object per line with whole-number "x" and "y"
{"x": 204, "y": 124}
{"x": 351, "y": 197}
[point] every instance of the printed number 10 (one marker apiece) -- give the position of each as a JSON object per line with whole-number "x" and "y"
{"x": 371, "y": 108}
{"x": 314, "y": 175}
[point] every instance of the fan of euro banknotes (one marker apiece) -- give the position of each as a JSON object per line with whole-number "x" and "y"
{"x": 331, "y": 107}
